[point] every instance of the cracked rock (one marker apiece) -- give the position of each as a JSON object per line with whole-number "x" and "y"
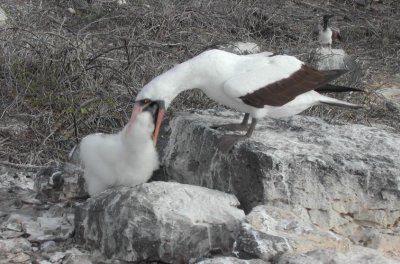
{"x": 270, "y": 232}
{"x": 159, "y": 221}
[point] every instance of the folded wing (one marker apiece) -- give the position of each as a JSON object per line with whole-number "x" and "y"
{"x": 257, "y": 88}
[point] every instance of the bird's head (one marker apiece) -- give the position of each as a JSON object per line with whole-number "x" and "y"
{"x": 327, "y": 17}
{"x": 156, "y": 109}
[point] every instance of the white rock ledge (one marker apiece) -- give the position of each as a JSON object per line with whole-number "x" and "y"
{"x": 343, "y": 178}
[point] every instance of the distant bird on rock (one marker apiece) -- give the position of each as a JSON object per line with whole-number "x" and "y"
{"x": 327, "y": 34}
{"x": 325, "y": 58}
{"x": 259, "y": 85}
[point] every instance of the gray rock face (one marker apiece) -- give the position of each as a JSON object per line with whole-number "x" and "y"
{"x": 33, "y": 230}
{"x": 159, "y": 221}
{"x": 270, "y": 232}
{"x": 355, "y": 256}
{"x": 39, "y": 226}
{"x": 253, "y": 243}
{"x": 341, "y": 177}
{"x": 231, "y": 260}
{"x": 60, "y": 184}
{"x": 392, "y": 96}
{"x": 14, "y": 245}
{"x": 73, "y": 183}
{"x": 333, "y": 59}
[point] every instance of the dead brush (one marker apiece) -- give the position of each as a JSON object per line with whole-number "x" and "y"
{"x": 67, "y": 75}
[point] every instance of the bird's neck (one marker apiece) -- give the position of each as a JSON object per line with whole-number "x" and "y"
{"x": 325, "y": 24}
{"x": 185, "y": 76}
{"x": 203, "y": 72}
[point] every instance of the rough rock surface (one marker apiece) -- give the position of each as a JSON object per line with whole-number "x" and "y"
{"x": 270, "y": 231}
{"x": 159, "y": 221}
{"x": 333, "y": 59}
{"x": 355, "y": 256}
{"x": 231, "y": 260}
{"x": 343, "y": 178}
{"x": 392, "y": 95}
{"x": 32, "y": 229}
{"x": 60, "y": 184}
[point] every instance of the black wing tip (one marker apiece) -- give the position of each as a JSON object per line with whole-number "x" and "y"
{"x": 339, "y": 71}
{"x": 331, "y": 88}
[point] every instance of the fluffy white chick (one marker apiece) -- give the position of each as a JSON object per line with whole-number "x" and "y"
{"x": 127, "y": 158}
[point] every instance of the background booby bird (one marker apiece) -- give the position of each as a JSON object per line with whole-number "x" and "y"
{"x": 127, "y": 158}
{"x": 327, "y": 34}
{"x": 258, "y": 84}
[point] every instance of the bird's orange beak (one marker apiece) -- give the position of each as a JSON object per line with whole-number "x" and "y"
{"x": 158, "y": 120}
{"x": 157, "y": 108}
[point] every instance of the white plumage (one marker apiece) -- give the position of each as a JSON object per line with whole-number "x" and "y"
{"x": 325, "y": 37}
{"x": 127, "y": 158}
{"x": 225, "y": 76}
{"x": 258, "y": 84}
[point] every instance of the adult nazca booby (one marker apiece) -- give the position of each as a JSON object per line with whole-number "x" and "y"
{"x": 258, "y": 84}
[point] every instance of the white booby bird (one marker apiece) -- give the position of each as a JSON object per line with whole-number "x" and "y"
{"x": 127, "y": 158}
{"x": 327, "y": 34}
{"x": 258, "y": 84}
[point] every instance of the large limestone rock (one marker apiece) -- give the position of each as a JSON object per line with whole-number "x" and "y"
{"x": 343, "y": 178}
{"x": 355, "y": 256}
{"x": 159, "y": 221}
{"x": 270, "y": 232}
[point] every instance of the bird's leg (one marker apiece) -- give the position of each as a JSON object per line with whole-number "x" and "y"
{"x": 228, "y": 141}
{"x": 233, "y": 127}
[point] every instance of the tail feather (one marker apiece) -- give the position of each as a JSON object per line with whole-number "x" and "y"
{"x": 336, "y": 102}
{"x": 330, "y": 88}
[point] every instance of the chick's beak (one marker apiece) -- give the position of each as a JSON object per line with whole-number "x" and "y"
{"x": 137, "y": 109}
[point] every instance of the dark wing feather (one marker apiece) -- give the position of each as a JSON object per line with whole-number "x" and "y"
{"x": 336, "y": 35}
{"x": 331, "y": 88}
{"x": 285, "y": 90}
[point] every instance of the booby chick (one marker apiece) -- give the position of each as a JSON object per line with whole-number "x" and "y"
{"x": 127, "y": 158}
{"x": 259, "y": 85}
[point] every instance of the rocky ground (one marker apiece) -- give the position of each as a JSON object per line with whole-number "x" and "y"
{"x": 302, "y": 190}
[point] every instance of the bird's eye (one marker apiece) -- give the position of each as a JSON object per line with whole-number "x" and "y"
{"x": 147, "y": 101}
